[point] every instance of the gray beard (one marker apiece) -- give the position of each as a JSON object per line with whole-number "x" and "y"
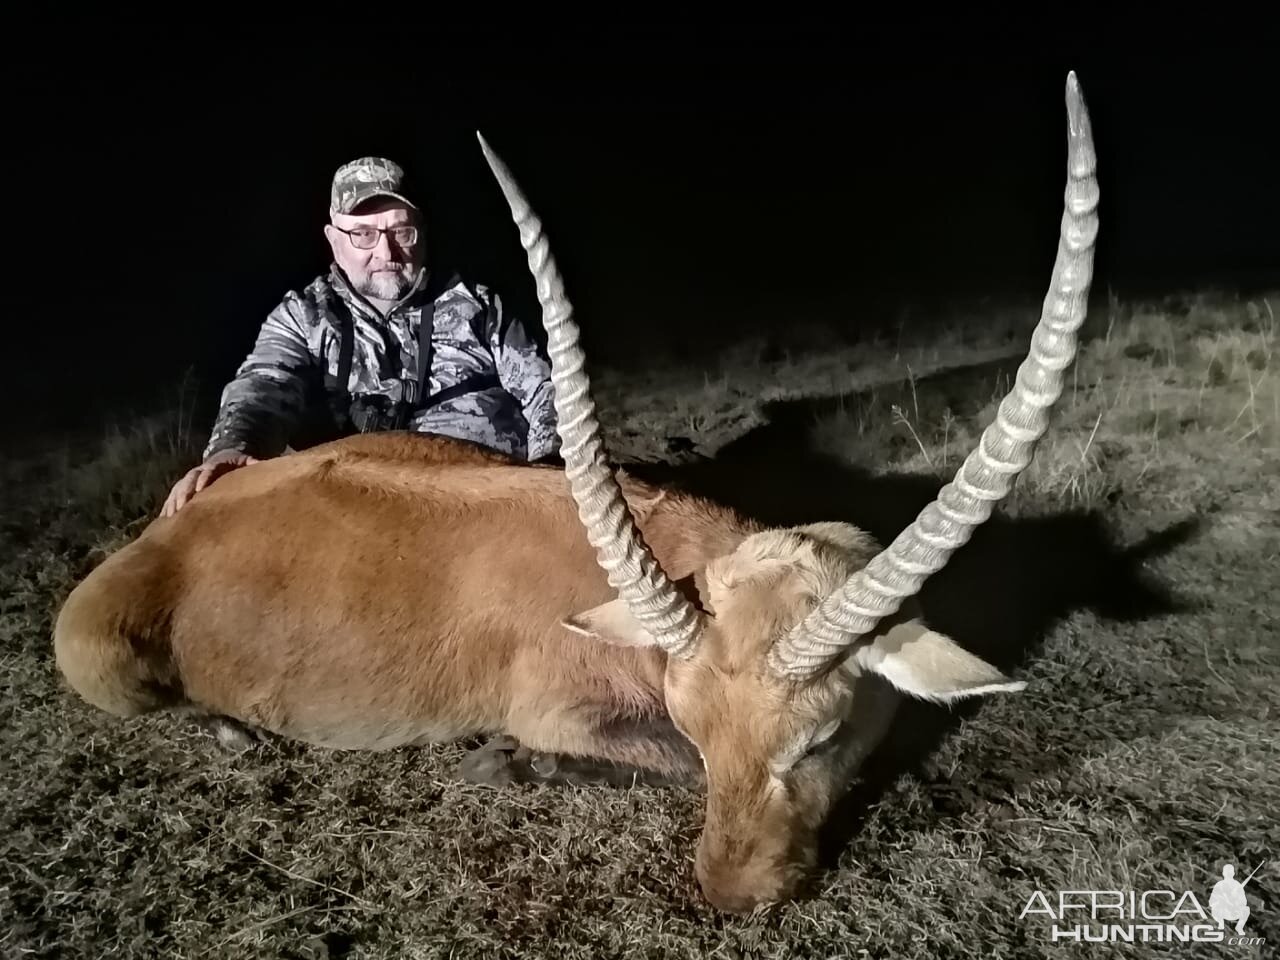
{"x": 386, "y": 286}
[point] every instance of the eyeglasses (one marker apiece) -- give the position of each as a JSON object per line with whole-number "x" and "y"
{"x": 366, "y": 238}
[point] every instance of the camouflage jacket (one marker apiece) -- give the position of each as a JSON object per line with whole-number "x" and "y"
{"x": 284, "y": 391}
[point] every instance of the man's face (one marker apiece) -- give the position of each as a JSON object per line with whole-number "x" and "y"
{"x": 388, "y": 269}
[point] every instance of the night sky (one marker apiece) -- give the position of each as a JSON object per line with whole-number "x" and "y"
{"x": 171, "y": 183}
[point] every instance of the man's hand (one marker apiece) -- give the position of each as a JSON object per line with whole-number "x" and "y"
{"x": 200, "y": 477}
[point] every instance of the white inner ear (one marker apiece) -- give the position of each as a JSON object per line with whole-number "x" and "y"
{"x": 611, "y": 622}
{"x": 931, "y": 666}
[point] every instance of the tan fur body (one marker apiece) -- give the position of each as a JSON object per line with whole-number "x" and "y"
{"x": 376, "y": 592}
{"x": 389, "y": 590}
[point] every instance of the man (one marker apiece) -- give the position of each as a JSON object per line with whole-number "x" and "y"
{"x": 382, "y": 342}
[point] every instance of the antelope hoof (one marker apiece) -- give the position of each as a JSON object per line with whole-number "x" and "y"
{"x": 230, "y": 735}
{"x": 491, "y": 763}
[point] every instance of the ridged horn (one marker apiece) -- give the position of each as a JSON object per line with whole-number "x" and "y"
{"x": 620, "y": 550}
{"x": 1006, "y": 448}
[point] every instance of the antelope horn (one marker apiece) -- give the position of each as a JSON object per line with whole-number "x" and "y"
{"x": 633, "y": 571}
{"x": 1006, "y": 448}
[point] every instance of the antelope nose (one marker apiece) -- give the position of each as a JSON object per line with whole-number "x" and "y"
{"x": 727, "y": 898}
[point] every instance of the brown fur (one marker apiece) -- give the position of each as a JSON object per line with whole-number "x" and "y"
{"x": 391, "y": 590}
{"x": 375, "y": 592}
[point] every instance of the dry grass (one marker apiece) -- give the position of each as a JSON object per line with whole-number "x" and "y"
{"x": 1143, "y": 754}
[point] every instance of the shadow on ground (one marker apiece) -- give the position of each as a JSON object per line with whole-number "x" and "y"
{"x": 999, "y": 596}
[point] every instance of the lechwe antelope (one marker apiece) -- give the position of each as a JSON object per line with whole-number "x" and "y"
{"x": 389, "y": 590}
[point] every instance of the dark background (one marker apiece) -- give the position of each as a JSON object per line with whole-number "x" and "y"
{"x": 168, "y": 183}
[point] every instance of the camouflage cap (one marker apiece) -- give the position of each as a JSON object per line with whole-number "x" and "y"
{"x": 359, "y": 180}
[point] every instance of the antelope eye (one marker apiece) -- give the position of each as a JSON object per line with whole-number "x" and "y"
{"x": 824, "y": 734}
{"x": 803, "y": 749}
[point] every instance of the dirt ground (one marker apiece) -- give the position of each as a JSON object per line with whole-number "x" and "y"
{"x": 1131, "y": 580}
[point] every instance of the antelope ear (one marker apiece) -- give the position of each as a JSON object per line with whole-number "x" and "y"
{"x": 611, "y": 622}
{"x": 930, "y": 665}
